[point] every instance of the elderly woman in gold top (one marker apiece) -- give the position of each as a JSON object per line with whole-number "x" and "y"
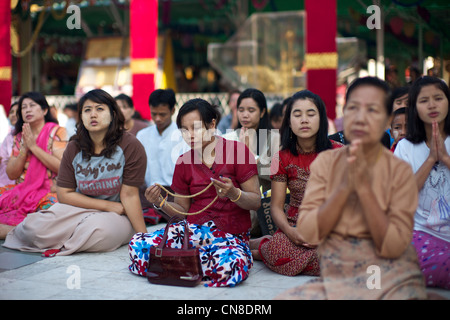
{"x": 359, "y": 208}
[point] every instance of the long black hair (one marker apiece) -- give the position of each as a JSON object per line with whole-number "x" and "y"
{"x": 416, "y": 127}
{"x": 39, "y": 98}
{"x": 289, "y": 139}
{"x": 115, "y": 131}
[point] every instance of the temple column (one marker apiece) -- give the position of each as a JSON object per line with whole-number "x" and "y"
{"x": 5, "y": 55}
{"x": 143, "y": 52}
{"x": 321, "y": 51}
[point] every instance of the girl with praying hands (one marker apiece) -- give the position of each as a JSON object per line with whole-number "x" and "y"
{"x": 427, "y": 148}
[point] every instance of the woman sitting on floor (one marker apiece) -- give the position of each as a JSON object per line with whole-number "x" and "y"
{"x": 427, "y": 148}
{"x": 38, "y": 146}
{"x": 98, "y": 188}
{"x": 214, "y": 167}
{"x": 304, "y": 134}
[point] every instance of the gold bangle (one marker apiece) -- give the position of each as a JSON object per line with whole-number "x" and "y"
{"x": 240, "y": 193}
{"x": 161, "y": 205}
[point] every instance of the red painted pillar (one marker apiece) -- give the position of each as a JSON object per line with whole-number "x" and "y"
{"x": 143, "y": 51}
{"x": 321, "y": 51}
{"x": 5, "y": 55}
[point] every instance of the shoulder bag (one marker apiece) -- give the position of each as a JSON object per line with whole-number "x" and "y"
{"x": 175, "y": 267}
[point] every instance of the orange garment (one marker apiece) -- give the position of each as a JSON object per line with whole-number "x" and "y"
{"x": 348, "y": 254}
{"x": 395, "y": 190}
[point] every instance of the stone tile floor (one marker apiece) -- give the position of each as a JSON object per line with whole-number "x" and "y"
{"x": 104, "y": 276}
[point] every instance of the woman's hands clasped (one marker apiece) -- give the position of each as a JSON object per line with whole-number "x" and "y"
{"x": 357, "y": 170}
{"x": 28, "y": 138}
{"x": 296, "y": 238}
{"x": 437, "y": 146}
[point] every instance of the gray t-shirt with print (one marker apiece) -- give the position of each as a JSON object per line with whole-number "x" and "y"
{"x": 102, "y": 177}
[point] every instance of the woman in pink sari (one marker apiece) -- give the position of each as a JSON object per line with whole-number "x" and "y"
{"x": 6, "y": 146}
{"x": 39, "y": 143}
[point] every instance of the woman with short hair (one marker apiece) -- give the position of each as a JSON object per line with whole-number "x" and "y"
{"x": 216, "y": 186}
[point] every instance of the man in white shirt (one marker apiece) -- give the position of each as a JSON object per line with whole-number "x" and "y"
{"x": 162, "y": 141}
{"x": 70, "y": 110}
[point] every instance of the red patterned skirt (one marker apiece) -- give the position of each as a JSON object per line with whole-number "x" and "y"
{"x": 281, "y": 255}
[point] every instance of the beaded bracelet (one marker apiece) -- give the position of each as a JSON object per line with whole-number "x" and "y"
{"x": 163, "y": 202}
{"x": 240, "y": 193}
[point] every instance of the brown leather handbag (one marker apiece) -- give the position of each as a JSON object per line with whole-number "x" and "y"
{"x": 175, "y": 267}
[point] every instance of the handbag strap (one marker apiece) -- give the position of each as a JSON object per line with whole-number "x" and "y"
{"x": 183, "y": 223}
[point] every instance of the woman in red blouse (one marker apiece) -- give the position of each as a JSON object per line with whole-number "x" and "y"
{"x": 214, "y": 167}
{"x": 304, "y": 133}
